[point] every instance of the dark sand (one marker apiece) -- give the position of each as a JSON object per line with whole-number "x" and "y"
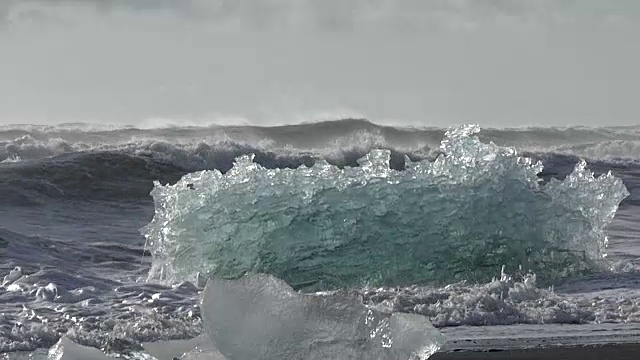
{"x": 598, "y": 352}
{"x": 549, "y": 342}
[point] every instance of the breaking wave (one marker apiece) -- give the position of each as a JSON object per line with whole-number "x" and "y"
{"x": 84, "y": 161}
{"x": 327, "y": 139}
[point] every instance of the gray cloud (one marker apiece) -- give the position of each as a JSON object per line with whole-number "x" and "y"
{"x": 332, "y": 14}
{"x": 498, "y": 62}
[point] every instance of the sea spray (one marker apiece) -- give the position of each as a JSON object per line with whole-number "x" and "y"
{"x": 477, "y": 207}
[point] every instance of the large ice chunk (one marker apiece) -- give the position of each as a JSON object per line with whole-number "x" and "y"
{"x": 461, "y": 217}
{"x": 261, "y": 317}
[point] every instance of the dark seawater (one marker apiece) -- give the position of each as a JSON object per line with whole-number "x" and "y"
{"x": 74, "y": 197}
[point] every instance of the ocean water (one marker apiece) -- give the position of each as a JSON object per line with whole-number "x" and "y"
{"x": 75, "y": 202}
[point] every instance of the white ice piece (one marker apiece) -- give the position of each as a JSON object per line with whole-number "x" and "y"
{"x": 261, "y": 317}
{"x": 66, "y": 349}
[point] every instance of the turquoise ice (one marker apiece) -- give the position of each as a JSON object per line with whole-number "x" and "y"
{"x": 477, "y": 207}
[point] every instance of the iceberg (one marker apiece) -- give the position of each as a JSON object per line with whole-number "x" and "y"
{"x": 261, "y": 317}
{"x": 476, "y": 207}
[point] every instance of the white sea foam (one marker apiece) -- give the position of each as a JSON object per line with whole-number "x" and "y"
{"x": 120, "y": 320}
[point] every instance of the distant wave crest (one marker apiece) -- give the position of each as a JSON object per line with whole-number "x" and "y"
{"x": 82, "y": 160}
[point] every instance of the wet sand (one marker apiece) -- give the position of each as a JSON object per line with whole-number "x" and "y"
{"x": 596, "y": 352}
{"x": 533, "y": 342}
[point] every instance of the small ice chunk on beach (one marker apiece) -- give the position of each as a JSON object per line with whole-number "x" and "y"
{"x": 261, "y": 317}
{"x": 66, "y": 349}
{"x": 189, "y": 349}
{"x": 203, "y": 354}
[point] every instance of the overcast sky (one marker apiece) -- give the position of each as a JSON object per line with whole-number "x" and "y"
{"x": 434, "y": 63}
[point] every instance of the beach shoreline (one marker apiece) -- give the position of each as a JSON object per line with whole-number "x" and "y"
{"x": 537, "y": 341}
{"x": 569, "y": 347}
{"x": 624, "y": 351}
